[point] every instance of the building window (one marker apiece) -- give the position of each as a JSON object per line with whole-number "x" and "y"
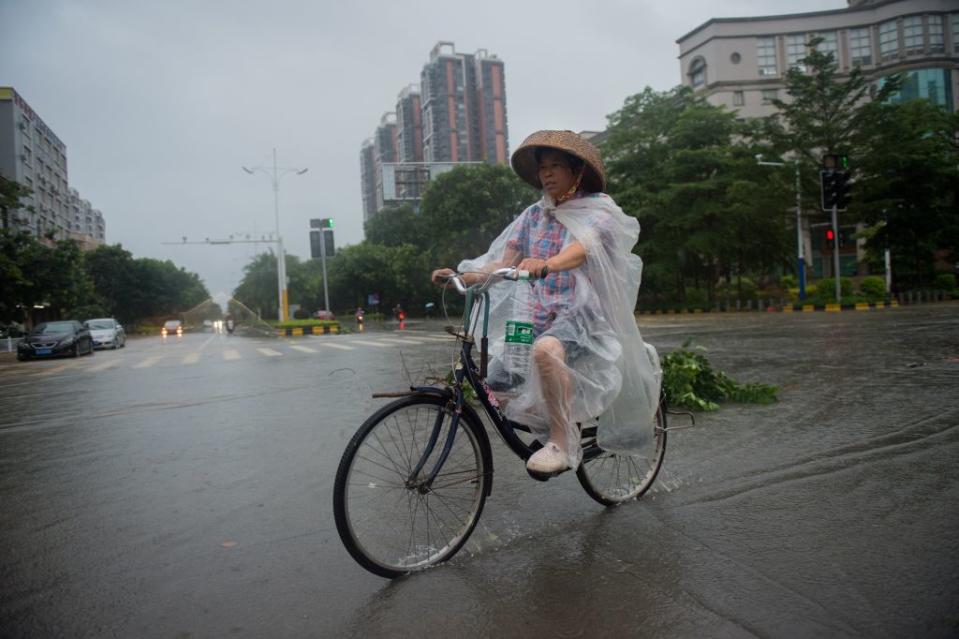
{"x": 735, "y": 57}
{"x": 955, "y": 32}
{"x": 739, "y": 98}
{"x": 766, "y": 55}
{"x": 796, "y": 50}
{"x": 936, "y": 44}
{"x": 769, "y": 95}
{"x": 928, "y": 84}
{"x": 860, "y": 47}
{"x": 829, "y": 44}
{"x": 912, "y": 34}
{"x": 697, "y": 73}
{"x": 888, "y": 40}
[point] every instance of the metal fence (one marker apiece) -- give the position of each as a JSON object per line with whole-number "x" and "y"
{"x": 9, "y": 344}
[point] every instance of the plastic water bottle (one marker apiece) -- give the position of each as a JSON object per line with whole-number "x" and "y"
{"x": 518, "y": 346}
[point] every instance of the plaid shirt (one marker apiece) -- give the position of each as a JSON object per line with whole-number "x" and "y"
{"x": 539, "y": 235}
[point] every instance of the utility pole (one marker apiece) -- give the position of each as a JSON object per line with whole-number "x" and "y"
{"x": 800, "y": 250}
{"x": 281, "y": 281}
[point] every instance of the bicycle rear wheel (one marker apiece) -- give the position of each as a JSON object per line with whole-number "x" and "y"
{"x": 613, "y": 478}
{"x": 389, "y": 521}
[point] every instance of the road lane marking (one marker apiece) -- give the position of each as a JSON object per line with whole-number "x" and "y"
{"x": 269, "y": 352}
{"x": 342, "y": 347}
{"x": 231, "y": 354}
{"x": 148, "y": 362}
{"x": 191, "y": 358}
{"x": 304, "y": 349}
{"x": 207, "y": 342}
{"x": 105, "y": 365}
{"x": 363, "y": 342}
{"x": 60, "y": 368}
{"x": 394, "y": 340}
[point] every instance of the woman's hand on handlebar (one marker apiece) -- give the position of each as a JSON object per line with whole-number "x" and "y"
{"x": 441, "y": 276}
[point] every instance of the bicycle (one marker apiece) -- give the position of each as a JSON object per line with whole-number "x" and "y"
{"x": 413, "y": 480}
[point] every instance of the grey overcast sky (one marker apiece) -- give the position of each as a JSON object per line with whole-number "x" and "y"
{"x": 161, "y": 102}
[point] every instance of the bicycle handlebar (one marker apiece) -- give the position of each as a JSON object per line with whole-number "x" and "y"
{"x": 508, "y": 273}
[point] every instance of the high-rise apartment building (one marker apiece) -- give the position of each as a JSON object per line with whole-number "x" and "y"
{"x": 457, "y": 115}
{"x": 32, "y": 154}
{"x": 368, "y": 179}
{"x": 385, "y": 149}
{"x": 742, "y": 62}
{"x": 409, "y": 124}
{"x": 464, "y": 107}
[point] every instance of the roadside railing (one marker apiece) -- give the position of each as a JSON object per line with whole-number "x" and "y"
{"x": 9, "y": 344}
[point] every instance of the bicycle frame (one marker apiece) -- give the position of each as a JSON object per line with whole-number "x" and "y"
{"x": 466, "y": 370}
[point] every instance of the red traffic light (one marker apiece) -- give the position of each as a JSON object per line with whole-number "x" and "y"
{"x": 830, "y": 235}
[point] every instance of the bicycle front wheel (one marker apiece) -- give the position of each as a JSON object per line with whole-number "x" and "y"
{"x": 388, "y": 519}
{"x": 613, "y": 478}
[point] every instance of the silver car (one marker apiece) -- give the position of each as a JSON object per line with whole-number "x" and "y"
{"x": 106, "y": 333}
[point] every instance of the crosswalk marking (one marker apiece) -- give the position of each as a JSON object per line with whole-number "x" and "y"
{"x": 148, "y": 362}
{"x": 231, "y": 354}
{"x": 191, "y": 358}
{"x": 363, "y": 342}
{"x": 269, "y": 352}
{"x": 401, "y": 341}
{"x": 304, "y": 349}
{"x": 59, "y": 369}
{"x": 110, "y": 363}
{"x": 342, "y": 347}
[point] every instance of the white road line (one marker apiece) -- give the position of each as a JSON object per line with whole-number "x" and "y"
{"x": 269, "y": 352}
{"x": 148, "y": 362}
{"x": 304, "y": 349}
{"x": 363, "y": 342}
{"x": 59, "y": 369}
{"x": 393, "y": 340}
{"x": 191, "y": 358}
{"x": 231, "y": 354}
{"x": 207, "y": 342}
{"x": 342, "y": 347}
{"x": 105, "y": 365}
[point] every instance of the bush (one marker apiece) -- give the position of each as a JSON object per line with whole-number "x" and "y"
{"x": 945, "y": 282}
{"x": 730, "y": 290}
{"x": 873, "y": 287}
{"x": 825, "y": 291}
{"x": 301, "y": 313}
{"x": 696, "y": 298}
{"x": 788, "y": 281}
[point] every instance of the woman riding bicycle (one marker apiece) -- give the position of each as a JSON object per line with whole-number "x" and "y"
{"x": 588, "y": 359}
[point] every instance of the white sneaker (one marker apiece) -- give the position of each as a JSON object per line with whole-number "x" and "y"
{"x": 548, "y": 460}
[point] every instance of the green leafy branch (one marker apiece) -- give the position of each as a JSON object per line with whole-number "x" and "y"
{"x": 689, "y": 381}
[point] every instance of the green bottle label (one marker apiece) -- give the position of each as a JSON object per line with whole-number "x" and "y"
{"x": 519, "y": 332}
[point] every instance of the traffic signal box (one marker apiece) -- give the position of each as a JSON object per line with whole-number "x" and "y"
{"x": 834, "y": 182}
{"x": 321, "y": 230}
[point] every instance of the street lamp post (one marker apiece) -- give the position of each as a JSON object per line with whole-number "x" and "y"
{"x": 800, "y": 250}
{"x": 277, "y": 173}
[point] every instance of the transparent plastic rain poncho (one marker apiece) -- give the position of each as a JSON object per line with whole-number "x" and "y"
{"x": 603, "y": 370}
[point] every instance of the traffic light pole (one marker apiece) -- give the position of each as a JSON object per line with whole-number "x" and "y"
{"x": 326, "y": 294}
{"x": 800, "y": 252}
{"x": 835, "y": 250}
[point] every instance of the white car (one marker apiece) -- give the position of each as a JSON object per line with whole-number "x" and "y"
{"x": 106, "y": 333}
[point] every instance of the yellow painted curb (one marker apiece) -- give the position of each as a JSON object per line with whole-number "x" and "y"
{"x": 297, "y": 331}
{"x": 833, "y": 308}
{"x": 788, "y": 308}
{"x": 808, "y": 308}
{"x": 894, "y": 303}
{"x": 862, "y": 306}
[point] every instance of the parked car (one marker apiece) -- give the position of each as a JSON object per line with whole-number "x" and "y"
{"x": 324, "y": 315}
{"x": 106, "y": 333}
{"x": 172, "y": 327}
{"x": 52, "y": 339}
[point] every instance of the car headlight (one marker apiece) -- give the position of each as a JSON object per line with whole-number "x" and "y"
{"x": 67, "y": 341}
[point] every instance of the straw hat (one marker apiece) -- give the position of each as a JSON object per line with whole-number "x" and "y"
{"x": 525, "y": 165}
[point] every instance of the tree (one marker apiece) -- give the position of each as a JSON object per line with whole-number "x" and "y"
{"x": 464, "y": 209}
{"x": 112, "y": 270}
{"x": 395, "y": 226}
{"x": 686, "y": 169}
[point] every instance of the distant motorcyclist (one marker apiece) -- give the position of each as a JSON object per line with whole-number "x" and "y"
{"x": 230, "y": 324}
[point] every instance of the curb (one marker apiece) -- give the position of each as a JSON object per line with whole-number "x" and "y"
{"x": 308, "y": 330}
{"x": 793, "y": 308}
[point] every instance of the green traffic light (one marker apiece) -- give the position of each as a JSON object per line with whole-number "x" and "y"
{"x": 329, "y": 222}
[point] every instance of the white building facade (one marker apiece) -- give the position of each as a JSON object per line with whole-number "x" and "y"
{"x": 741, "y": 63}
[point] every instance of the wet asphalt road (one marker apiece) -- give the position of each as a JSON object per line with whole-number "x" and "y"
{"x": 183, "y": 489}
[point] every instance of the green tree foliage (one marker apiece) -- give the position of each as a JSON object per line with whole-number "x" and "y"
{"x": 687, "y": 170}
{"x": 466, "y": 208}
{"x": 907, "y": 181}
{"x": 395, "y": 226}
{"x": 12, "y": 195}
